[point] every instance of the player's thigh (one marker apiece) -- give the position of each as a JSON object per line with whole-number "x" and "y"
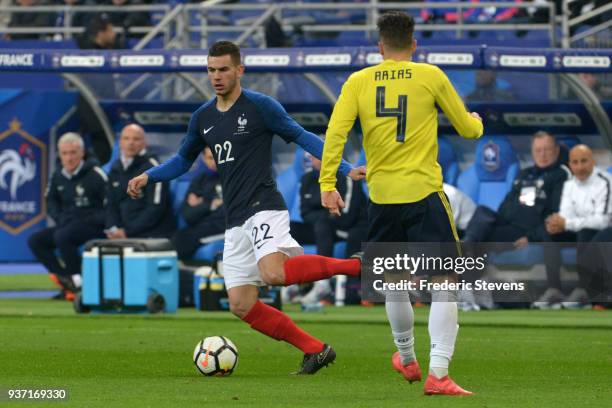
{"x": 436, "y": 222}
{"x": 383, "y": 225}
{"x": 242, "y": 298}
{"x": 272, "y": 269}
{"x": 239, "y": 262}
{"x": 272, "y": 243}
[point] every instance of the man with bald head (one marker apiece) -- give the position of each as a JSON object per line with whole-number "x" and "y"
{"x": 585, "y": 210}
{"x": 150, "y": 214}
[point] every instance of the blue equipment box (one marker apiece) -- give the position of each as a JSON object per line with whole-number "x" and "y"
{"x": 130, "y": 275}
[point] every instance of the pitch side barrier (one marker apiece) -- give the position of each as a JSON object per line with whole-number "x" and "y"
{"x": 553, "y": 60}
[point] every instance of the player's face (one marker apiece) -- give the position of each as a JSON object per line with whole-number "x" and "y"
{"x": 132, "y": 141}
{"x": 581, "y": 162}
{"x": 71, "y": 155}
{"x": 223, "y": 74}
{"x": 544, "y": 151}
{"x": 208, "y": 159}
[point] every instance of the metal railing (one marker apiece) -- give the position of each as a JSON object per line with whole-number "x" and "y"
{"x": 176, "y": 27}
{"x": 571, "y": 39}
{"x": 67, "y": 30}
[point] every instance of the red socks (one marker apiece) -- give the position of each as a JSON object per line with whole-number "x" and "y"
{"x": 310, "y": 268}
{"x": 279, "y": 326}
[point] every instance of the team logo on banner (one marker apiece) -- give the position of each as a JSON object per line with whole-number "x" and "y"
{"x": 491, "y": 158}
{"x": 23, "y": 164}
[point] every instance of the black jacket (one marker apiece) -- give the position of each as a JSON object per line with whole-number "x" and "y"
{"x": 310, "y": 204}
{"x": 535, "y": 194}
{"x": 207, "y": 186}
{"x": 148, "y": 216}
{"x": 79, "y": 198}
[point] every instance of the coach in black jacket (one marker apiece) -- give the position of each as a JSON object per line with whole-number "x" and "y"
{"x": 352, "y": 223}
{"x": 148, "y": 216}
{"x": 535, "y": 194}
{"x": 202, "y": 209}
{"x": 75, "y": 201}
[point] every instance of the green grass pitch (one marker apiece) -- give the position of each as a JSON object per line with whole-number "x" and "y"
{"x": 509, "y": 358}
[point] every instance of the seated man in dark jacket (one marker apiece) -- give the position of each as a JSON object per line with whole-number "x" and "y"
{"x": 535, "y": 194}
{"x": 75, "y": 201}
{"x": 202, "y": 209}
{"x": 150, "y": 215}
{"x": 351, "y": 225}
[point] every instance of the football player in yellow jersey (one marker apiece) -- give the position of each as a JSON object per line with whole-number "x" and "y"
{"x": 396, "y": 104}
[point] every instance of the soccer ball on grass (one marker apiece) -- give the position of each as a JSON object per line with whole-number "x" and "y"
{"x": 215, "y": 355}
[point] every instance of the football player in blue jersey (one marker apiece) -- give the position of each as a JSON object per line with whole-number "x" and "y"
{"x": 238, "y": 125}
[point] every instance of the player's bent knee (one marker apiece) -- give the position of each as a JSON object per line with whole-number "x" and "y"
{"x": 273, "y": 277}
{"x": 240, "y": 308}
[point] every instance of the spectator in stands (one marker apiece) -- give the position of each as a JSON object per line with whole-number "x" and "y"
{"x": 100, "y": 35}
{"x": 602, "y": 89}
{"x": 535, "y": 194}
{"x": 585, "y": 210}
{"x": 487, "y": 89}
{"x": 30, "y": 20}
{"x": 129, "y": 19}
{"x": 75, "y": 201}
{"x": 148, "y": 216}
{"x": 202, "y": 209}
{"x": 351, "y": 225}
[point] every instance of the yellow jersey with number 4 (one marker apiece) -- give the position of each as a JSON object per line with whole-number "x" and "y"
{"x": 396, "y": 104}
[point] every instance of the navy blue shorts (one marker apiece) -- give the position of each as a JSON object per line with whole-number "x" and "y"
{"x": 428, "y": 220}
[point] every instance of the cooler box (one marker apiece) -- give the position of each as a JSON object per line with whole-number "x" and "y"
{"x": 130, "y": 275}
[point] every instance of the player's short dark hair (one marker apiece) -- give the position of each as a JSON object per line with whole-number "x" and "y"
{"x": 221, "y": 48}
{"x": 396, "y": 30}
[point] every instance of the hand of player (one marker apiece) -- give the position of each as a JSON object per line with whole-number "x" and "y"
{"x": 358, "y": 173}
{"x": 136, "y": 184}
{"x": 332, "y": 201}
{"x": 476, "y": 115}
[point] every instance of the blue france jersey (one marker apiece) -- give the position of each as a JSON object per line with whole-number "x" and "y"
{"x": 241, "y": 141}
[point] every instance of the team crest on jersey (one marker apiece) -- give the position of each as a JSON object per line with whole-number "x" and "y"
{"x": 242, "y": 122}
{"x": 491, "y": 159}
{"x": 22, "y": 179}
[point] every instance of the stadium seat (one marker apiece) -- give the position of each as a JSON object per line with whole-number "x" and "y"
{"x": 448, "y": 161}
{"x": 495, "y": 167}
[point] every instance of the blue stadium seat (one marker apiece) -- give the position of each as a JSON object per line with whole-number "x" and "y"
{"x": 495, "y": 167}
{"x": 448, "y": 161}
